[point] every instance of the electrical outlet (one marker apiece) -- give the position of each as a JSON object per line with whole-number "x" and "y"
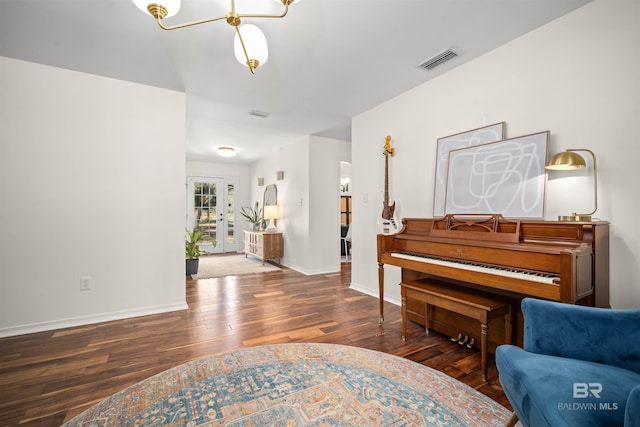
{"x": 85, "y": 283}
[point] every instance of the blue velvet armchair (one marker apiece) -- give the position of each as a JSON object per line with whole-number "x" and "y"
{"x": 580, "y": 366}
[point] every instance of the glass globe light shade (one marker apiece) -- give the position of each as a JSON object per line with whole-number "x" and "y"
{"x": 254, "y": 41}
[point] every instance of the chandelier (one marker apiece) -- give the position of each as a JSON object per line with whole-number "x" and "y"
{"x": 250, "y": 44}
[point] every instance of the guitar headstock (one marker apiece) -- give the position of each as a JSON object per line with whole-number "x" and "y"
{"x": 387, "y": 147}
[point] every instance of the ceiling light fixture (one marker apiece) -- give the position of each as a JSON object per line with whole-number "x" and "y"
{"x": 226, "y": 152}
{"x": 251, "y": 50}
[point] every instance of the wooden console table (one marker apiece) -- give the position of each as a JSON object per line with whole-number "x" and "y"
{"x": 263, "y": 245}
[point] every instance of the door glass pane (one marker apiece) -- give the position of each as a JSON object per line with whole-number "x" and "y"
{"x": 205, "y": 213}
{"x": 230, "y": 213}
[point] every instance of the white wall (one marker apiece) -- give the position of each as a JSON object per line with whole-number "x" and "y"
{"x": 576, "y": 76}
{"x": 90, "y": 185}
{"x": 308, "y": 200}
{"x": 324, "y": 202}
{"x": 215, "y": 169}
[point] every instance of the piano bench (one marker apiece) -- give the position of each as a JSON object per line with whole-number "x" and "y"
{"x": 457, "y": 299}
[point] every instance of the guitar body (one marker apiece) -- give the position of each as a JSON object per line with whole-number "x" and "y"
{"x": 387, "y": 220}
{"x": 388, "y": 210}
{"x": 390, "y": 224}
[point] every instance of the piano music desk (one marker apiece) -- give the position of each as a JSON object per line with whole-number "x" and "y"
{"x": 477, "y": 306}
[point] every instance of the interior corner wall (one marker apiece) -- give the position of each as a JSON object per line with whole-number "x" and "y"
{"x": 552, "y": 78}
{"x": 293, "y": 198}
{"x": 308, "y": 200}
{"x": 90, "y": 186}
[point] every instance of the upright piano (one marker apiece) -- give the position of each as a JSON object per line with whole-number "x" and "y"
{"x": 513, "y": 259}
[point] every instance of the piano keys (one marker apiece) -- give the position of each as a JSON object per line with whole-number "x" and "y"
{"x": 559, "y": 261}
{"x": 534, "y": 276}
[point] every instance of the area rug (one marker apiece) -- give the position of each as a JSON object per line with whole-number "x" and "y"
{"x": 231, "y": 265}
{"x": 297, "y": 385}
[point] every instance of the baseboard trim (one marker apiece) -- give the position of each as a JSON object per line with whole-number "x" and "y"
{"x": 368, "y": 291}
{"x": 88, "y": 320}
{"x": 310, "y": 272}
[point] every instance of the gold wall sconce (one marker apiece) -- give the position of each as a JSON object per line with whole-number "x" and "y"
{"x": 260, "y": 182}
{"x": 571, "y": 160}
{"x": 279, "y": 175}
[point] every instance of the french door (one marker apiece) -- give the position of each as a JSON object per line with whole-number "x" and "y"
{"x": 211, "y": 207}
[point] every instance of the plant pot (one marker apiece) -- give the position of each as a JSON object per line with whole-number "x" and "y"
{"x": 192, "y": 266}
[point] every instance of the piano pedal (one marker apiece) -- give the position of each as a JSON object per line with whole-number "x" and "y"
{"x": 457, "y": 339}
{"x": 464, "y": 341}
{"x": 471, "y": 343}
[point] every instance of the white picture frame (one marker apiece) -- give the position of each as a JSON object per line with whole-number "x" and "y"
{"x": 483, "y": 135}
{"x": 506, "y": 177}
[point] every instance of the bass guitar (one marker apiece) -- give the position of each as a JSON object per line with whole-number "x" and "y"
{"x": 387, "y": 221}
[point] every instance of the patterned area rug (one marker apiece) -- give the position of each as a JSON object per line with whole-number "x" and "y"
{"x": 297, "y": 385}
{"x": 230, "y": 265}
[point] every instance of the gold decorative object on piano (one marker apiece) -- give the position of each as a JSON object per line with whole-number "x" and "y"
{"x": 570, "y": 160}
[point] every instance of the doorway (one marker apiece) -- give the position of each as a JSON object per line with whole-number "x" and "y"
{"x": 211, "y": 207}
{"x": 346, "y": 214}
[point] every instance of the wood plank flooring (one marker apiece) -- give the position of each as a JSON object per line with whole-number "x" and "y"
{"x": 47, "y": 378}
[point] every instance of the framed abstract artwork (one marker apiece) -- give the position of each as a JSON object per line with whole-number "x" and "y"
{"x": 506, "y": 177}
{"x": 483, "y": 135}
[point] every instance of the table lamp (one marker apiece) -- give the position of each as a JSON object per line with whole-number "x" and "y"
{"x": 271, "y": 213}
{"x": 570, "y": 160}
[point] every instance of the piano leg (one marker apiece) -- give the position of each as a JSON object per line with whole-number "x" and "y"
{"x": 484, "y": 344}
{"x": 404, "y": 317}
{"x": 427, "y": 318}
{"x": 507, "y": 326}
{"x": 381, "y": 292}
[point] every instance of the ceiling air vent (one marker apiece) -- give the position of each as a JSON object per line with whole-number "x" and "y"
{"x": 258, "y": 113}
{"x": 433, "y": 62}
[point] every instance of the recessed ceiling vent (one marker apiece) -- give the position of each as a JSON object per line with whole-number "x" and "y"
{"x": 440, "y": 58}
{"x": 258, "y": 113}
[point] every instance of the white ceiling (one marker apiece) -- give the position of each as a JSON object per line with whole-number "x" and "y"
{"x": 329, "y": 60}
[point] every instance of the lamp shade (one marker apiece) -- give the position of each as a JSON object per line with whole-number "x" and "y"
{"x": 271, "y": 212}
{"x": 254, "y": 41}
{"x": 172, "y": 6}
{"x": 566, "y": 160}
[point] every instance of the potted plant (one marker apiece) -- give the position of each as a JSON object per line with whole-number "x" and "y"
{"x": 253, "y": 215}
{"x": 192, "y": 251}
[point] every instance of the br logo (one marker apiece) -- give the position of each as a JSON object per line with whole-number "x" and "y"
{"x": 584, "y": 390}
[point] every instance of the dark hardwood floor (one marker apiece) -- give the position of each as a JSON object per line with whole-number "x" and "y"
{"x": 49, "y": 377}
